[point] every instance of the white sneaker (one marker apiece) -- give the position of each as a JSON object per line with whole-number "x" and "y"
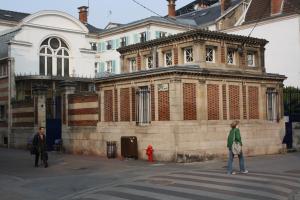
{"x": 245, "y": 172}
{"x": 233, "y": 173}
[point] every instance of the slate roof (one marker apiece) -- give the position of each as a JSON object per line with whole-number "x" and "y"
{"x": 261, "y": 10}
{"x": 190, "y": 7}
{"x": 199, "y": 34}
{"x": 182, "y": 22}
{"x": 14, "y": 16}
{"x": 207, "y": 15}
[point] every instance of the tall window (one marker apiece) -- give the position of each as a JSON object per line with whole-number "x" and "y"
{"x": 132, "y": 64}
{"x": 149, "y": 62}
{"x": 271, "y": 104}
{"x": 210, "y": 54}
{"x": 2, "y": 113}
{"x": 143, "y": 37}
{"x": 109, "y": 45}
{"x": 54, "y": 57}
{"x": 168, "y": 58}
{"x": 188, "y": 55}
{"x": 143, "y": 105}
{"x": 230, "y": 57}
{"x": 251, "y": 59}
{"x": 123, "y": 42}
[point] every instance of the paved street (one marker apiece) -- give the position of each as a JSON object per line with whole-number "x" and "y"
{"x": 71, "y": 177}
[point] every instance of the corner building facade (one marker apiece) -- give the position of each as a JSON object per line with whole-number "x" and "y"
{"x": 184, "y": 100}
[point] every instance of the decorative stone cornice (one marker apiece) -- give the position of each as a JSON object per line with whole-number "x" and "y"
{"x": 196, "y": 35}
{"x": 190, "y": 70}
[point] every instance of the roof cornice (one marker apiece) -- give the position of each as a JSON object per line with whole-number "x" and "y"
{"x": 194, "y": 34}
{"x": 189, "y": 70}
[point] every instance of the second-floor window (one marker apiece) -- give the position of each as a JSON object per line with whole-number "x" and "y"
{"x": 123, "y": 42}
{"x": 230, "y": 57}
{"x": 168, "y": 58}
{"x": 149, "y": 62}
{"x": 132, "y": 65}
{"x": 109, "y": 45}
{"x": 54, "y": 57}
{"x": 188, "y": 55}
{"x": 160, "y": 34}
{"x": 210, "y": 54}
{"x": 143, "y": 37}
{"x": 251, "y": 59}
{"x": 109, "y": 66}
{"x": 93, "y": 46}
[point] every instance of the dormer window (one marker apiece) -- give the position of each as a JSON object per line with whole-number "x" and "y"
{"x": 251, "y": 59}
{"x": 149, "y": 62}
{"x": 132, "y": 64}
{"x": 210, "y": 54}
{"x": 230, "y": 56}
{"x": 188, "y": 55}
{"x": 168, "y": 58}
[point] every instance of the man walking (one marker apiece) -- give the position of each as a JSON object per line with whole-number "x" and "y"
{"x": 40, "y": 148}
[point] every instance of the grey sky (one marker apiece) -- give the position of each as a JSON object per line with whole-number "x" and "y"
{"x": 123, "y": 11}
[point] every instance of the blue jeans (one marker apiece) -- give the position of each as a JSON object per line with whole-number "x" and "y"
{"x": 230, "y": 160}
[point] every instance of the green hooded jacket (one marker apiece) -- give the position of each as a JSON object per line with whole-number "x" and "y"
{"x": 238, "y": 138}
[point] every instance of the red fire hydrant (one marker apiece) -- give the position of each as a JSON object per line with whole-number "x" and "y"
{"x": 149, "y": 152}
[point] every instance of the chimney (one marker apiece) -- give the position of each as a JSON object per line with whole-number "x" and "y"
{"x": 225, "y": 4}
{"x": 171, "y": 8}
{"x": 276, "y": 7}
{"x": 83, "y": 14}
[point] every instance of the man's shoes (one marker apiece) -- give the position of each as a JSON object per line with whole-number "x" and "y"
{"x": 46, "y": 165}
{"x": 36, "y": 165}
{"x": 245, "y": 172}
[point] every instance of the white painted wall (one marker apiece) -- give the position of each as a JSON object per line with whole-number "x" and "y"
{"x": 283, "y": 50}
{"x": 38, "y": 29}
{"x": 109, "y": 55}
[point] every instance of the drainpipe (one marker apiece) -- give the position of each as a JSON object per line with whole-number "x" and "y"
{"x": 9, "y": 110}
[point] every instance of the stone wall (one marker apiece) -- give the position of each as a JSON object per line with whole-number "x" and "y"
{"x": 23, "y": 123}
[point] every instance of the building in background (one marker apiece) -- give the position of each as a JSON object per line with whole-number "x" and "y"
{"x": 278, "y": 21}
{"x": 37, "y": 51}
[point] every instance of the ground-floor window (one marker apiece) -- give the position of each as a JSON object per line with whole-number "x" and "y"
{"x": 271, "y": 104}
{"x": 143, "y": 105}
{"x": 2, "y": 113}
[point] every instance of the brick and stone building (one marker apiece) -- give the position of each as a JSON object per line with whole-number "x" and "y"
{"x": 183, "y": 105}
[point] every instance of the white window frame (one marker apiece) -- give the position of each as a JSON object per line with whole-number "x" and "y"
{"x": 210, "y": 55}
{"x": 253, "y": 59}
{"x": 123, "y": 42}
{"x": 108, "y": 66}
{"x": 188, "y": 55}
{"x": 143, "y": 35}
{"x": 143, "y": 106}
{"x": 168, "y": 57}
{"x": 272, "y": 111}
{"x": 109, "y": 43}
{"x": 149, "y": 62}
{"x": 132, "y": 64}
{"x": 231, "y": 57}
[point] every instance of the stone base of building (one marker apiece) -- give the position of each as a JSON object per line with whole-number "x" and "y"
{"x": 180, "y": 141}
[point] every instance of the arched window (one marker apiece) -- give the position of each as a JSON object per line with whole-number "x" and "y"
{"x": 54, "y": 57}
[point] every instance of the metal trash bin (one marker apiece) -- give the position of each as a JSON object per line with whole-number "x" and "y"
{"x": 111, "y": 149}
{"x": 129, "y": 148}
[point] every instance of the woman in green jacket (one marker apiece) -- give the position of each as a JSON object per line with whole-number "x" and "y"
{"x": 234, "y": 134}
